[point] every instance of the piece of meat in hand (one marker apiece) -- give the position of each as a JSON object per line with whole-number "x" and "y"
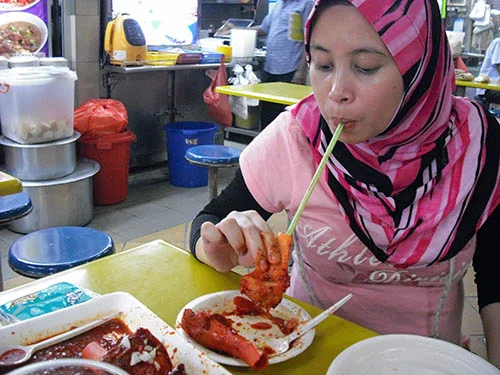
{"x": 266, "y": 284}
{"x": 140, "y": 354}
{"x": 214, "y": 332}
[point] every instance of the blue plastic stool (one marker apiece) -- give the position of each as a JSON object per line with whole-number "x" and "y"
{"x": 51, "y": 250}
{"x": 495, "y": 112}
{"x": 213, "y": 157}
{"x": 14, "y": 206}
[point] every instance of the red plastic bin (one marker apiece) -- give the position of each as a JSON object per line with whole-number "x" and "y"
{"x": 112, "y": 152}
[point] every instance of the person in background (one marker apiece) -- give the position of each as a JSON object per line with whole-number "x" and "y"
{"x": 285, "y": 61}
{"x": 490, "y": 67}
{"x": 410, "y": 196}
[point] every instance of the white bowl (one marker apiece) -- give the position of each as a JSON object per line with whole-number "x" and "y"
{"x": 18, "y": 7}
{"x": 9, "y": 17}
{"x": 68, "y": 366}
{"x": 408, "y": 355}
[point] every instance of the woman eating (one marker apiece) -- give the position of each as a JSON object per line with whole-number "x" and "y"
{"x": 410, "y": 195}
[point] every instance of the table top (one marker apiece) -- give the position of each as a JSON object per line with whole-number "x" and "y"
{"x": 165, "y": 278}
{"x": 477, "y": 85}
{"x": 291, "y": 93}
{"x": 274, "y": 92}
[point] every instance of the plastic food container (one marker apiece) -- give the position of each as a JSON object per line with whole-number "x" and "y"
{"x": 4, "y": 63}
{"x": 211, "y": 57}
{"x": 23, "y": 61}
{"x": 189, "y": 58}
{"x": 160, "y": 58}
{"x": 37, "y": 103}
{"x": 54, "y": 61}
{"x": 227, "y": 51}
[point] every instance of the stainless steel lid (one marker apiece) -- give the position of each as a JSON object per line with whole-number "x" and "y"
{"x": 85, "y": 168}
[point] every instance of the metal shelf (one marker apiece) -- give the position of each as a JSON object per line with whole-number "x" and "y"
{"x": 248, "y": 132}
{"x": 157, "y": 68}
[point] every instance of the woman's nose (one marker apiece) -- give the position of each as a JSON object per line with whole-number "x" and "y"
{"x": 340, "y": 91}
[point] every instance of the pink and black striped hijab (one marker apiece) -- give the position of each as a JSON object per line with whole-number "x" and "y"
{"x": 418, "y": 192}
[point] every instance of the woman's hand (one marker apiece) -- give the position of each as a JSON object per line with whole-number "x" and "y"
{"x": 235, "y": 240}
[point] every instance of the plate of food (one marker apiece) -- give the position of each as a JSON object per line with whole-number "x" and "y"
{"x": 119, "y": 341}
{"x": 253, "y": 329}
{"x": 409, "y": 355}
{"x": 21, "y": 33}
{"x": 17, "y": 4}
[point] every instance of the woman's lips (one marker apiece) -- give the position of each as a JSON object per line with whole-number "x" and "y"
{"x": 346, "y": 123}
{"x": 349, "y": 124}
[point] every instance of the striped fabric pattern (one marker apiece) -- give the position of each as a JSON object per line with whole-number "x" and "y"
{"x": 418, "y": 192}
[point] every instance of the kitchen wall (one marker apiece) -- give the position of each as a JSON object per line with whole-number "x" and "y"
{"x": 81, "y": 46}
{"x": 216, "y": 13}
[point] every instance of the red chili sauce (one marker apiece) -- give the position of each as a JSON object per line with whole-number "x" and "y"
{"x": 261, "y": 326}
{"x": 107, "y": 335}
{"x": 244, "y": 306}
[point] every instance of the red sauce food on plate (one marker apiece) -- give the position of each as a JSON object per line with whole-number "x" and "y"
{"x": 139, "y": 353}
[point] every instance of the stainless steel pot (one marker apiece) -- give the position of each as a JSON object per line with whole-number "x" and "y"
{"x": 59, "y": 202}
{"x": 41, "y": 161}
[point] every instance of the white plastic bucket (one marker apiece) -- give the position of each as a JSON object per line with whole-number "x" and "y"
{"x": 37, "y": 103}
{"x": 243, "y": 43}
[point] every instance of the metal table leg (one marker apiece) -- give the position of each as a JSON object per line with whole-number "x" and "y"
{"x": 212, "y": 182}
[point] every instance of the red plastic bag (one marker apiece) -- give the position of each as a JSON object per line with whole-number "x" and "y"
{"x": 218, "y": 105}
{"x": 99, "y": 117}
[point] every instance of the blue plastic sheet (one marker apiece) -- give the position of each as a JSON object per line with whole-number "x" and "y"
{"x": 55, "y": 297}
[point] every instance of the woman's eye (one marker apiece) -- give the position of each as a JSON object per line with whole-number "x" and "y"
{"x": 365, "y": 70}
{"x": 323, "y": 67}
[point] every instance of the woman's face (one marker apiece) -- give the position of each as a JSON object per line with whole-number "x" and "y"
{"x": 353, "y": 75}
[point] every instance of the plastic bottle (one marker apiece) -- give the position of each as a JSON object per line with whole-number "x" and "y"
{"x": 226, "y": 50}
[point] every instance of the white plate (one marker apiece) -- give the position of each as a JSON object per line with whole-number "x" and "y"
{"x": 223, "y": 302}
{"x": 133, "y": 313}
{"x": 408, "y": 355}
{"x": 18, "y": 7}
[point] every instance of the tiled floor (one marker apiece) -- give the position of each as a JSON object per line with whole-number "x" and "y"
{"x": 154, "y": 209}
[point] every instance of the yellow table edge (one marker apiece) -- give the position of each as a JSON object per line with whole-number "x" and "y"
{"x": 477, "y": 85}
{"x": 273, "y": 92}
{"x": 9, "y": 184}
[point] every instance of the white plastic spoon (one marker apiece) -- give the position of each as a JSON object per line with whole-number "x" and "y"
{"x": 11, "y": 355}
{"x": 282, "y": 344}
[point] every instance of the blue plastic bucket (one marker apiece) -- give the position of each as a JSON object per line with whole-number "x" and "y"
{"x": 180, "y": 137}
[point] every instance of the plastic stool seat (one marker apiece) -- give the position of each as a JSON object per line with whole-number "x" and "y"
{"x": 213, "y": 157}
{"x": 52, "y": 250}
{"x": 209, "y": 155}
{"x": 495, "y": 112}
{"x": 14, "y": 206}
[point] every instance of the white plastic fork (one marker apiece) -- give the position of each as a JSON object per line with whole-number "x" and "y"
{"x": 282, "y": 344}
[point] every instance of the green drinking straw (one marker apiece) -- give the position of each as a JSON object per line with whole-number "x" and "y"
{"x": 314, "y": 180}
